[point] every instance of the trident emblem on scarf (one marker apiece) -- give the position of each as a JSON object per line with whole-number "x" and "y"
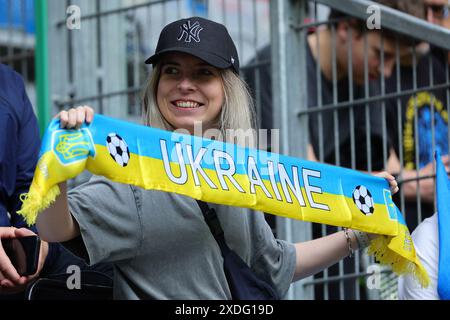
{"x": 190, "y": 32}
{"x": 72, "y": 147}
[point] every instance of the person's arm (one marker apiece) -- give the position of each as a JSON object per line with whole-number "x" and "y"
{"x": 318, "y": 254}
{"x": 19, "y": 148}
{"x": 425, "y": 185}
{"x": 26, "y": 144}
{"x": 56, "y": 224}
{"x": 411, "y": 184}
{"x": 7, "y": 164}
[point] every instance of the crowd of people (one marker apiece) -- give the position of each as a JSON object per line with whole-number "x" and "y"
{"x": 159, "y": 245}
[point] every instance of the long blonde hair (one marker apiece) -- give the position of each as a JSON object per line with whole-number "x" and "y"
{"x": 237, "y": 122}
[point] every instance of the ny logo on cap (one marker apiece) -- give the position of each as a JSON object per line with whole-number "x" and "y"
{"x": 190, "y": 32}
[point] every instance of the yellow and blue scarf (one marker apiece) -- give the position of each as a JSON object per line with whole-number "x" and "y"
{"x": 227, "y": 174}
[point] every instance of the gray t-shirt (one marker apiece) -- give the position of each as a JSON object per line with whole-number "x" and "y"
{"x": 162, "y": 248}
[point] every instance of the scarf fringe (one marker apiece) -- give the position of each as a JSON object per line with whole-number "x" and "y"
{"x": 380, "y": 250}
{"x": 34, "y": 203}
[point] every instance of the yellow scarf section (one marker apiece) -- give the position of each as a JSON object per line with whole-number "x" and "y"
{"x": 223, "y": 173}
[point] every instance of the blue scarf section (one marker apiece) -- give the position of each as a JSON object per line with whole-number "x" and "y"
{"x": 443, "y": 208}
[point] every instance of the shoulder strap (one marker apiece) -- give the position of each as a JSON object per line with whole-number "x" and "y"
{"x": 211, "y": 219}
{"x": 213, "y": 223}
{"x": 243, "y": 283}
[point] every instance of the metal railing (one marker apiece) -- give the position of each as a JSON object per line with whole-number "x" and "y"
{"x": 297, "y": 110}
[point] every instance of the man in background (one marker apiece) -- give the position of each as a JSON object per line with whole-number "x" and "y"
{"x": 350, "y": 150}
{"x": 425, "y": 112}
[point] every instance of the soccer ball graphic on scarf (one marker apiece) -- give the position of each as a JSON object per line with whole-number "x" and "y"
{"x": 363, "y": 200}
{"x": 118, "y": 149}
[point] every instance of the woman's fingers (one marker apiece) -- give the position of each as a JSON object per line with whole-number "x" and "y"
{"x": 392, "y": 183}
{"x": 72, "y": 123}
{"x": 391, "y": 179}
{"x": 396, "y": 189}
{"x": 63, "y": 118}
{"x": 385, "y": 175}
{"x": 75, "y": 117}
{"x": 89, "y": 114}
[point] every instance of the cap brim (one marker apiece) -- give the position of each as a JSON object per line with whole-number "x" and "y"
{"x": 211, "y": 59}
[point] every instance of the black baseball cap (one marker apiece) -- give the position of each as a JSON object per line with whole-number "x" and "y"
{"x": 200, "y": 37}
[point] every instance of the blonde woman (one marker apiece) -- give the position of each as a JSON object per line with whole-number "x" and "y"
{"x": 160, "y": 243}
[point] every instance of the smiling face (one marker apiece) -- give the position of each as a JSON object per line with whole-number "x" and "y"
{"x": 189, "y": 91}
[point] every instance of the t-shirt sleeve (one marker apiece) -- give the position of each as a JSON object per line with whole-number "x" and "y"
{"x": 426, "y": 243}
{"x": 274, "y": 260}
{"x": 108, "y": 218}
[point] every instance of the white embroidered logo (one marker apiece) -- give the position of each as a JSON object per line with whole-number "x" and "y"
{"x": 190, "y": 32}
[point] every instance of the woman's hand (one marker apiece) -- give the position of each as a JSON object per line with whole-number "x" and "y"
{"x": 391, "y": 179}
{"x": 75, "y": 117}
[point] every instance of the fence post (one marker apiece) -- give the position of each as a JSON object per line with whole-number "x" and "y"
{"x": 289, "y": 97}
{"x": 41, "y": 65}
